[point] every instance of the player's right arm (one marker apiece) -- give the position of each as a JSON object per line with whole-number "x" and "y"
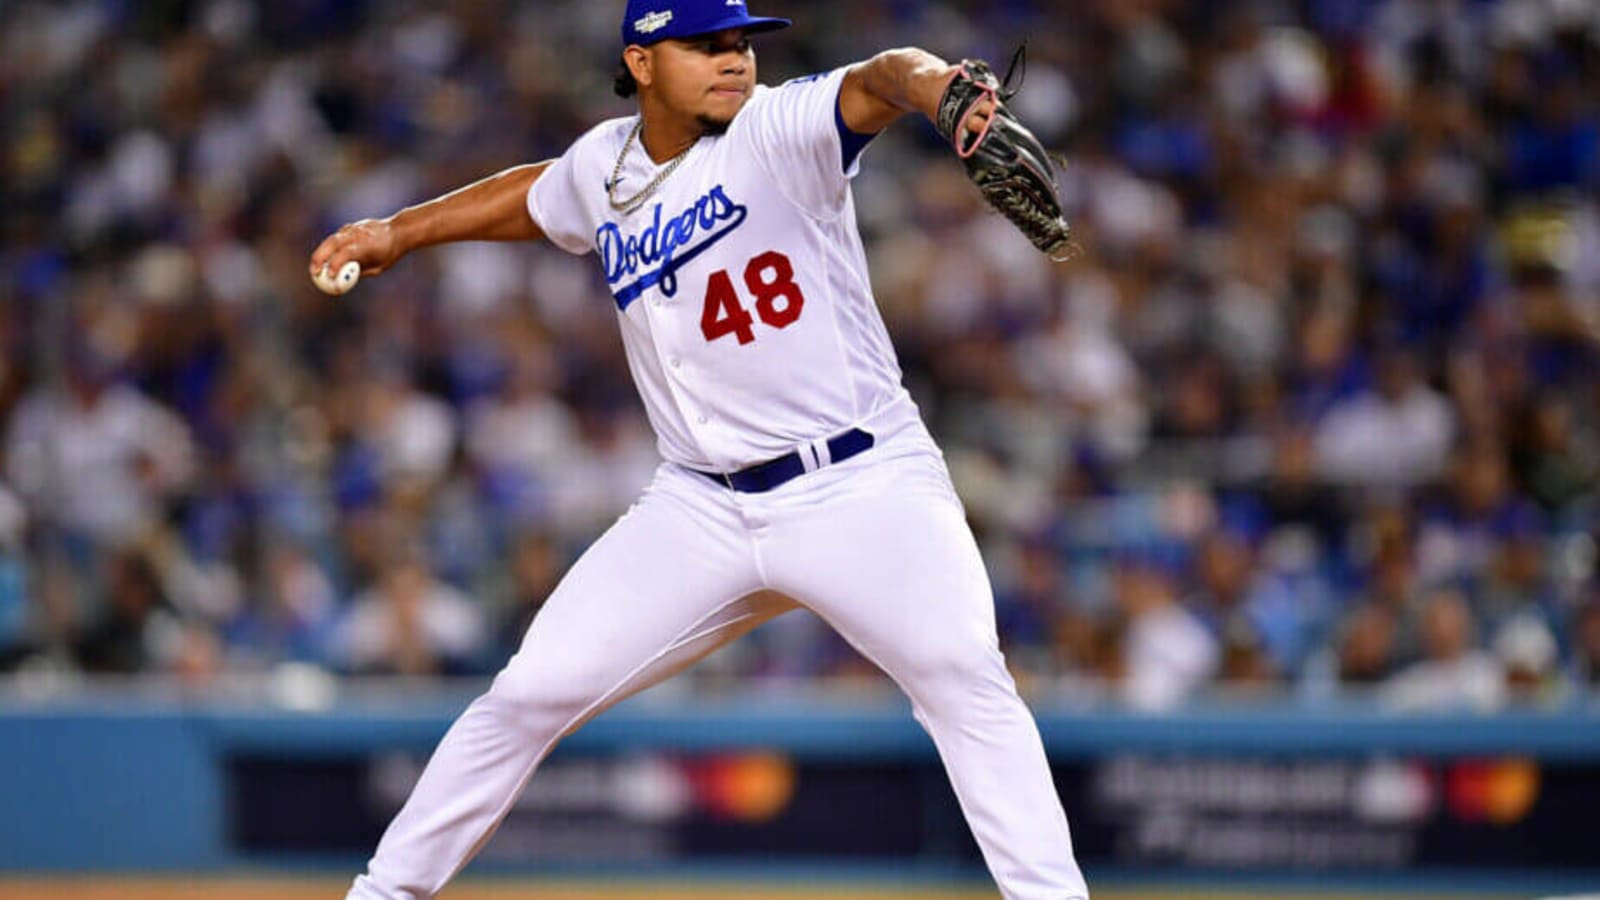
{"x": 493, "y": 209}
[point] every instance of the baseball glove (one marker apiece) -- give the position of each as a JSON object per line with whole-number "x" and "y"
{"x": 1004, "y": 159}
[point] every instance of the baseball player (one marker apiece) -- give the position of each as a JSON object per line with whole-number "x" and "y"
{"x": 797, "y": 472}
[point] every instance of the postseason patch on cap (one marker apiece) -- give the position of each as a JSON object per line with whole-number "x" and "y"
{"x": 651, "y": 22}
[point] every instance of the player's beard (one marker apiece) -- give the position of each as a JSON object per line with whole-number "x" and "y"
{"x": 713, "y": 127}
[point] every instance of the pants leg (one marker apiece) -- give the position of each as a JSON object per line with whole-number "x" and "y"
{"x": 886, "y": 558}
{"x": 671, "y": 581}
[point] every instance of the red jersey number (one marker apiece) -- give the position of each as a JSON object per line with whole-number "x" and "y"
{"x": 779, "y": 301}
{"x": 723, "y": 315}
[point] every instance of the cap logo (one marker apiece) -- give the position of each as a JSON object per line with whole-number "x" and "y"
{"x": 652, "y": 22}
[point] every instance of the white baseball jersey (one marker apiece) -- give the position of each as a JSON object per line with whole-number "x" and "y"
{"x": 741, "y": 285}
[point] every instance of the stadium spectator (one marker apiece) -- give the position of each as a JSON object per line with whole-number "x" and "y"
{"x": 1462, "y": 532}
{"x": 1397, "y": 434}
{"x": 291, "y": 616}
{"x": 137, "y": 631}
{"x": 1167, "y": 654}
{"x": 1078, "y": 368}
{"x": 410, "y": 623}
{"x": 536, "y": 566}
{"x": 1224, "y": 569}
{"x": 1527, "y": 652}
{"x": 96, "y": 456}
{"x": 521, "y": 438}
{"x": 1245, "y": 665}
{"x": 1452, "y": 674}
{"x": 1367, "y": 650}
{"x": 1554, "y": 460}
{"x": 1293, "y": 496}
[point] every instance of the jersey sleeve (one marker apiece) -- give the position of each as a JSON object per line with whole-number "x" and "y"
{"x": 557, "y": 207}
{"x": 798, "y": 133}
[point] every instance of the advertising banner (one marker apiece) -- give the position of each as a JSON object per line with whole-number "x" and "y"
{"x": 1231, "y": 812}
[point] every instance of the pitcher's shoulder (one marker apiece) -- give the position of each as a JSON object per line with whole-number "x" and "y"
{"x": 784, "y": 99}
{"x": 765, "y": 107}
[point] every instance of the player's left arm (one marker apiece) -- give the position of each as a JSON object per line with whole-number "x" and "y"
{"x": 894, "y": 83}
{"x": 965, "y": 103}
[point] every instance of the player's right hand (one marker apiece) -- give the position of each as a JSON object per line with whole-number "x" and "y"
{"x": 370, "y": 242}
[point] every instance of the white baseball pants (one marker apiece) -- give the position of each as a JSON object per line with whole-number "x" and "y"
{"x": 877, "y": 546}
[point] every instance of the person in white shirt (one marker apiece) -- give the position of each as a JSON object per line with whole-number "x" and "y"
{"x": 1454, "y": 673}
{"x": 97, "y": 457}
{"x": 1397, "y": 435}
{"x": 798, "y": 471}
{"x": 1168, "y": 654}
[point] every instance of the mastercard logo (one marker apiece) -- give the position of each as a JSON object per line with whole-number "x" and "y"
{"x": 747, "y": 787}
{"x": 1500, "y": 792}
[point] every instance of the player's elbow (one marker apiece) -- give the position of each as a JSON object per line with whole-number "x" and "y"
{"x": 874, "y": 93}
{"x": 887, "y": 76}
{"x": 900, "y": 81}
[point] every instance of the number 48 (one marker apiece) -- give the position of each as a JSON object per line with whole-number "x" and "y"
{"x": 770, "y": 277}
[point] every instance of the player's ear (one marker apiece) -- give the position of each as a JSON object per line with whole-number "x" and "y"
{"x": 641, "y": 63}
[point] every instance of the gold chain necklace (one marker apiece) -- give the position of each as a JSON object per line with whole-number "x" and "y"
{"x": 637, "y": 200}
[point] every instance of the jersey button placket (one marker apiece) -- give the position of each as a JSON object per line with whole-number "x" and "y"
{"x": 663, "y": 336}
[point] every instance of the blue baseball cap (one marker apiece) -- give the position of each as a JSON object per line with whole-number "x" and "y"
{"x": 649, "y": 21}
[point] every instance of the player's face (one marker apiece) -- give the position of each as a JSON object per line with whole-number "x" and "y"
{"x": 708, "y": 78}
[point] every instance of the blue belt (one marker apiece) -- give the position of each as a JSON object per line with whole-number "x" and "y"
{"x": 763, "y": 477}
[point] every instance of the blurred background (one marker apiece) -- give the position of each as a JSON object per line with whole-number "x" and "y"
{"x": 1288, "y": 483}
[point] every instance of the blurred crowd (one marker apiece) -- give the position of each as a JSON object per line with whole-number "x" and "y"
{"x": 1314, "y": 411}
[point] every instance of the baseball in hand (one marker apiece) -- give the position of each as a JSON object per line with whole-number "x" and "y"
{"x": 349, "y": 274}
